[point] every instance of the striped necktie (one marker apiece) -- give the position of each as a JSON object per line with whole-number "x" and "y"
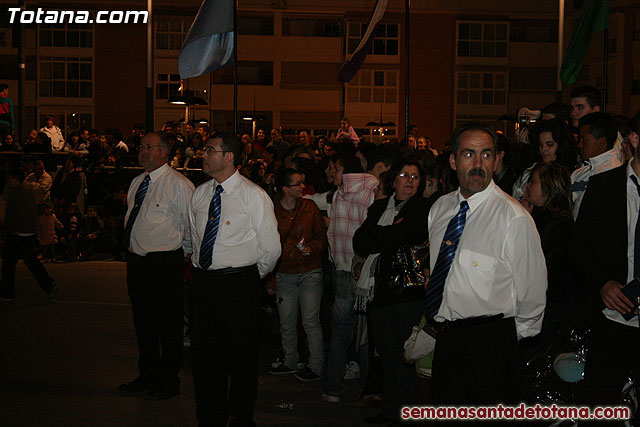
{"x": 448, "y": 248}
{"x": 142, "y": 191}
{"x": 636, "y": 244}
{"x": 211, "y": 230}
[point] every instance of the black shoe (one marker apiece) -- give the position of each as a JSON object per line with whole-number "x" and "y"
{"x": 136, "y": 387}
{"x": 378, "y": 419}
{"x": 164, "y": 391}
{"x": 307, "y": 375}
{"x": 282, "y": 370}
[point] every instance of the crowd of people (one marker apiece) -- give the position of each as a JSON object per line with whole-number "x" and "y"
{"x": 489, "y": 241}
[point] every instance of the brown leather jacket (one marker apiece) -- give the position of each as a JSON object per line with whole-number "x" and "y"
{"x": 304, "y": 222}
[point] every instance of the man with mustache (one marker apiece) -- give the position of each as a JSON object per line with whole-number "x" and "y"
{"x": 488, "y": 280}
{"x": 156, "y": 240}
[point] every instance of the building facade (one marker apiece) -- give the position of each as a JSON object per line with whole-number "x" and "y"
{"x": 469, "y": 60}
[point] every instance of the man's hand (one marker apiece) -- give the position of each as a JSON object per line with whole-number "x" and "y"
{"x": 270, "y": 284}
{"x": 614, "y": 299}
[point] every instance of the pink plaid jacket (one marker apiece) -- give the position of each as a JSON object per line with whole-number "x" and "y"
{"x": 348, "y": 212}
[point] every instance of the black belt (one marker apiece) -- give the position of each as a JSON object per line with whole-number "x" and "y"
{"x": 226, "y": 270}
{"x": 440, "y": 327}
{"x": 154, "y": 254}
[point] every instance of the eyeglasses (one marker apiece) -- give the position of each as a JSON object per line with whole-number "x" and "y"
{"x": 297, "y": 184}
{"x": 211, "y": 150}
{"x": 407, "y": 175}
{"x": 149, "y": 147}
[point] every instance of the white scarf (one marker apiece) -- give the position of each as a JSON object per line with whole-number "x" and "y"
{"x": 366, "y": 282}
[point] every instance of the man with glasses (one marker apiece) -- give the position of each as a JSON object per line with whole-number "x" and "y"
{"x": 156, "y": 240}
{"x": 235, "y": 244}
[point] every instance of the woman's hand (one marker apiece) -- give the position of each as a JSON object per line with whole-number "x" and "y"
{"x": 427, "y": 275}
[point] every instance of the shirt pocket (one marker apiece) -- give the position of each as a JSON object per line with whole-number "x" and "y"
{"x": 480, "y": 270}
{"x": 158, "y": 211}
{"x": 232, "y": 228}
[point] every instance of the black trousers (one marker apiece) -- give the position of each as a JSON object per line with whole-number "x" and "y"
{"x": 155, "y": 284}
{"x": 224, "y": 343}
{"x": 26, "y": 248}
{"x": 613, "y": 352}
{"x": 392, "y": 326}
{"x": 477, "y": 365}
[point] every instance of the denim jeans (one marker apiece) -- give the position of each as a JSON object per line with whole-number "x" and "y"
{"x": 303, "y": 290}
{"x": 343, "y": 323}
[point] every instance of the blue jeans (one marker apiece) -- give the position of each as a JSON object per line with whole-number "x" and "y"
{"x": 343, "y": 323}
{"x": 305, "y": 290}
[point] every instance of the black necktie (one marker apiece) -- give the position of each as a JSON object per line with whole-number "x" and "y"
{"x": 142, "y": 191}
{"x": 636, "y": 244}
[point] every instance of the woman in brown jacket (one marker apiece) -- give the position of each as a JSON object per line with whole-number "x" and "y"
{"x": 299, "y": 274}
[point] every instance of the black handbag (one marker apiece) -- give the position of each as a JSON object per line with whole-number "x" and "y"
{"x": 408, "y": 263}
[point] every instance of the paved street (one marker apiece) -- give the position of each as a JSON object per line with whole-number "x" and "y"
{"x": 61, "y": 362}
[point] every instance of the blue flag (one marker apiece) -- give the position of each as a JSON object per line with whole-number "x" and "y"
{"x": 351, "y": 67}
{"x": 208, "y": 45}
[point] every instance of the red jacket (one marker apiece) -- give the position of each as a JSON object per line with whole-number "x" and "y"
{"x": 304, "y": 222}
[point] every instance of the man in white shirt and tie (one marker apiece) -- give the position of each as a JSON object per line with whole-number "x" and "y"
{"x": 156, "y": 240}
{"x": 488, "y": 279}
{"x": 235, "y": 244}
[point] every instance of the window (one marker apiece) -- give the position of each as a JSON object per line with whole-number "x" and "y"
{"x": 379, "y": 86}
{"x": 487, "y": 120}
{"x": 255, "y": 24}
{"x": 66, "y": 77}
{"x": 167, "y": 85}
{"x": 482, "y": 40}
{"x": 249, "y": 73}
{"x": 531, "y": 31}
{"x": 67, "y": 35}
{"x": 312, "y": 26}
{"x": 476, "y": 88}
{"x": 170, "y": 33}
{"x": 309, "y": 75}
{"x": 385, "y": 41}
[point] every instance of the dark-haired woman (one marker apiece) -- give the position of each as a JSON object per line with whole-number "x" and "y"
{"x": 555, "y": 144}
{"x": 395, "y": 307}
{"x": 548, "y": 198}
{"x": 299, "y": 274}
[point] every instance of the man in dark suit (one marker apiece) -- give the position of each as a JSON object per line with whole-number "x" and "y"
{"x": 606, "y": 246}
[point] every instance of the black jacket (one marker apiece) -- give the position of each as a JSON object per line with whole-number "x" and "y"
{"x": 372, "y": 238}
{"x": 599, "y": 243}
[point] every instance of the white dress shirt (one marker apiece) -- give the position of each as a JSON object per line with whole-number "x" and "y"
{"x": 499, "y": 266}
{"x": 580, "y": 177}
{"x": 162, "y": 223}
{"x": 633, "y": 205}
{"x": 247, "y": 231}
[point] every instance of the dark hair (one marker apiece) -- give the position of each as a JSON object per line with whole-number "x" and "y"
{"x": 230, "y": 143}
{"x": 350, "y": 163}
{"x": 559, "y": 111}
{"x": 366, "y": 148}
{"x": 17, "y": 173}
{"x": 567, "y": 150}
{"x": 43, "y": 137}
{"x": 601, "y": 125}
{"x": 591, "y": 93}
{"x": 555, "y": 183}
{"x": 283, "y": 177}
{"x": 3, "y": 86}
{"x": 396, "y": 168}
{"x": 457, "y": 134}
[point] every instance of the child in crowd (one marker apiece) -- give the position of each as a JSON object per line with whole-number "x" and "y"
{"x": 47, "y": 225}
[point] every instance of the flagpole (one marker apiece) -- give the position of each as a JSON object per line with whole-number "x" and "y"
{"x": 149, "y": 125}
{"x": 235, "y": 66}
{"x": 560, "y": 45}
{"x": 406, "y": 71}
{"x": 605, "y": 70}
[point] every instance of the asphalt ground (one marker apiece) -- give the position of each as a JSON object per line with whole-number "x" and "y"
{"x": 61, "y": 362}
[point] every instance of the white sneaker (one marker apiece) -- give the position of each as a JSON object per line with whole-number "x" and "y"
{"x": 353, "y": 371}
{"x": 328, "y": 398}
{"x": 277, "y": 363}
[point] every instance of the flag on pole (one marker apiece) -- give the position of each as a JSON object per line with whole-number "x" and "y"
{"x": 351, "y": 67}
{"x": 594, "y": 19}
{"x": 208, "y": 45}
